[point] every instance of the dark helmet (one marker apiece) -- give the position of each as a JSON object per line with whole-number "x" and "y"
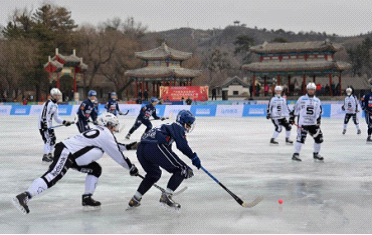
{"x": 186, "y": 119}
{"x": 92, "y": 93}
{"x": 154, "y": 99}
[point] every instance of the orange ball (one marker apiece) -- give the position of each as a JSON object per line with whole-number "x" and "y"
{"x": 280, "y": 201}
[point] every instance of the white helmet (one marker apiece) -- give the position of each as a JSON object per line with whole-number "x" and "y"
{"x": 278, "y": 88}
{"x": 55, "y": 92}
{"x": 109, "y": 119}
{"x": 349, "y": 91}
{"x": 311, "y": 86}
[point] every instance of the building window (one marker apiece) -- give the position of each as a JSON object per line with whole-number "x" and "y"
{"x": 235, "y": 92}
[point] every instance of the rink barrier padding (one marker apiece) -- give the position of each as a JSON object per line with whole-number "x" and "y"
{"x": 253, "y": 110}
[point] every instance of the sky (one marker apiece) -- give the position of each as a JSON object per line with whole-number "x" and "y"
{"x": 343, "y": 17}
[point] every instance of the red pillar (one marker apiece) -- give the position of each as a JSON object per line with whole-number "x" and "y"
{"x": 304, "y": 84}
{"x": 142, "y": 89}
{"x": 330, "y": 83}
{"x": 75, "y": 88}
{"x": 254, "y": 85}
{"x": 58, "y": 80}
{"x": 147, "y": 86}
{"x": 339, "y": 81}
{"x": 153, "y": 88}
{"x": 278, "y": 80}
{"x": 136, "y": 87}
{"x": 314, "y": 77}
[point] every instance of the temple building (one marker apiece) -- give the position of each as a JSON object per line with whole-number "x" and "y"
{"x": 285, "y": 60}
{"x": 163, "y": 68}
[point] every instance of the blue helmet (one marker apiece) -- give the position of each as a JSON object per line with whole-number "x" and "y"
{"x": 92, "y": 93}
{"x": 186, "y": 119}
{"x": 113, "y": 93}
{"x": 154, "y": 99}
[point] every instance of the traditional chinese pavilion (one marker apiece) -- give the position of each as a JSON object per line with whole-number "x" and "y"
{"x": 163, "y": 68}
{"x": 66, "y": 65}
{"x": 297, "y": 59}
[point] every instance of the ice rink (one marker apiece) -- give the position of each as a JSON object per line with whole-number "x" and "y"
{"x": 330, "y": 197}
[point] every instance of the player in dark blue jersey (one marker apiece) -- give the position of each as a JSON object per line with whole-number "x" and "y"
{"x": 366, "y": 104}
{"x": 144, "y": 116}
{"x": 88, "y": 108}
{"x": 112, "y": 106}
{"x": 155, "y": 151}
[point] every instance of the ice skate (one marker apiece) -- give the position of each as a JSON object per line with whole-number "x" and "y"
{"x": 89, "y": 203}
{"x": 288, "y": 141}
{"x": 359, "y": 132}
{"x": 344, "y": 131}
{"x": 20, "y": 202}
{"x": 296, "y": 157}
{"x": 167, "y": 202}
{"x": 318, "y": 157}
{"x": 47, "y": 158}
{"x": 134, "y": 202}
{"x": 273, "y": 142}
{"x": 127, "y": 136}
{"x": 369, "y": 140}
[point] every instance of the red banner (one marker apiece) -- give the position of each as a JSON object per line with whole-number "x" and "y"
{"x": 175, "y": 93}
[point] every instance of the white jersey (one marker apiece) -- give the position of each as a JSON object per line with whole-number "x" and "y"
{"x": 351, "y": 104}
{"x": 90, "y": 145}
{"x": 309, "y": 110}
{"x": 277, "y": 107}
{"x": 49, "y": 110}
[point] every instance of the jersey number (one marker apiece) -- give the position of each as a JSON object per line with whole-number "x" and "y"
{"x": 91, "y": 134}
{"x": 279, "y": 108}
{"x": 310, "y": 110}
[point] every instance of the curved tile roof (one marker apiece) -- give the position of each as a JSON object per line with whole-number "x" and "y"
{"x": 163, "y": 52}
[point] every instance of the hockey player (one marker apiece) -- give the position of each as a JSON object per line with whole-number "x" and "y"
{"x": 277, "y": 110}
{"x": 351, "y": 108}
{"x": 366, "y": 104}
{"x": 88, "y": 108}
{"x": 144, "y": 115}
{"x": 309, "y": 110}
{"x": 155, "y": 150}
{"x": 80, "y": 153}
{"x": 112, "y": 106}
{"x": 48, "y": 112}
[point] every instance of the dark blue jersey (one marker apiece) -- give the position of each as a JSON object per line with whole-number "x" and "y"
{"x": 167, "y": 134}
{"x": 87, "y": 109}
{"x": 366, "y": 102}
{"x": 148, "y": 111}
{"x": 112, "y": 106}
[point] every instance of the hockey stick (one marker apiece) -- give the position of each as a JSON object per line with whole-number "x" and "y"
{"x": 73, "y": 122}
{"x": 163, "y": 190}
{"x": 240, "y": 201}
{"x": 301, "y": 128}
{"x": 126, "y": 113}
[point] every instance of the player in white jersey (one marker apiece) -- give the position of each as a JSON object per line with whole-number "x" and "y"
{"x": 351, "y": 108}
{"x": 80, "y": 153}
{"x": 278, "y": 110}
{"x": 48, "y": 112}
{"x": 309, "y": 110}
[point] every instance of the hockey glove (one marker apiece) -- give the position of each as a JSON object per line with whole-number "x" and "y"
{"x": 292, "y": 120}
{"x": 133, "y": 170}
{"x": 268, "y": 116}
{"x": 121, "y": 113}
{"x": 95, "y": 122}
{"x": 44, "y": 126}
{"x": 196, "y": 161}
{"x": 187, "y": 172}
{"x": 318, "y": 121}
{"x": 343, "y": 108}
{"x": 66, "y": 123}
{"x": 163, "y": 118}
{"x": 132, "y": 146}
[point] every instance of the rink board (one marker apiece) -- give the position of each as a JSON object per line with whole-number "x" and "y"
{"x": 254, "y": 110}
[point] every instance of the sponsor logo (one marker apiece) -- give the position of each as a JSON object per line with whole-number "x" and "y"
{"x": 63, "y": 110}
{"x": 20, "y": 111}
{"x": 229, "y": 111}
{"x": 256, "y": 111}
{"x": 3, "y": 110}
{"x": 203, "y": 111}
{"x": 58, "y": 168}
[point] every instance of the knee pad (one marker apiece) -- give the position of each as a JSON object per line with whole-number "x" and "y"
{"x": 92, "y": 169}
{"x": 187, "y": 172}
{"x": 278, "y": 129}
{"x": 288, "y": 128}
{"x": 319, "y": 139}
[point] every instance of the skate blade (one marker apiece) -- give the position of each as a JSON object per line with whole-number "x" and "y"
{"x": 91, "y": 208}
{"x": 18, "y": 206}
{"x": 168, "y": 208}
{"x": 271, "y": 144}
{"x": 288, "y": 143}
{"x": 320, "y": 161}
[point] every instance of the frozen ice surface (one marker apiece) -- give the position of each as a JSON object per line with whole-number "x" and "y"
{"x": 330, "y": 197}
